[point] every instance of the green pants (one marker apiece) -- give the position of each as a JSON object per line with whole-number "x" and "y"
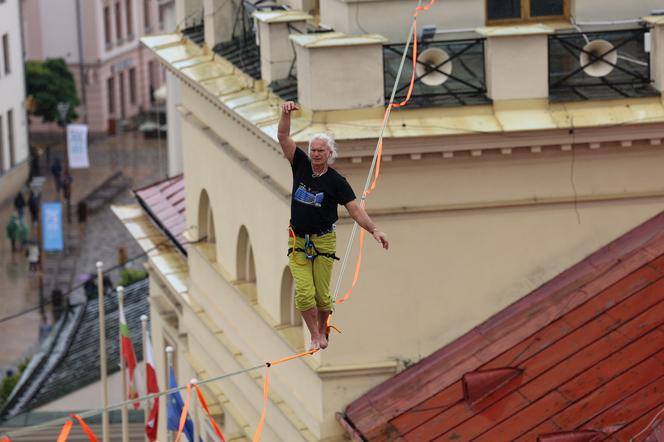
{"x": 312, "y": 276}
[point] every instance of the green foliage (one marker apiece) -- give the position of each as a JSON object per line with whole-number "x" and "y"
{"x": 128, "y": 276}
{"x": 51, "y": 82}
{"x": 8, "y": 383}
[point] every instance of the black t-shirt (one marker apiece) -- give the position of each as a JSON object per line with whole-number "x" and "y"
{"x": 314, "y": 201}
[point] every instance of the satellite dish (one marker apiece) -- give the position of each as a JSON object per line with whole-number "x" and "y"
{"x": 427, "y": 62}
{"x": 596, "y": 67}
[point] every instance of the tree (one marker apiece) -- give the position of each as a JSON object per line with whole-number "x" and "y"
{"x": 51, "y": 82}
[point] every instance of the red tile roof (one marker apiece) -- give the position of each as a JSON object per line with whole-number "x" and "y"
{"x": 164, "y": 201}
{"x": 582, "y": 353}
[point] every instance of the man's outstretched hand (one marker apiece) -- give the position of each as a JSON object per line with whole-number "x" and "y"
{"x": 289, "y": 107}
{"x": 381, "y": 238}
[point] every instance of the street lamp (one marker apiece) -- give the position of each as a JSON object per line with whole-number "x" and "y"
{"x": 63, "y": 112}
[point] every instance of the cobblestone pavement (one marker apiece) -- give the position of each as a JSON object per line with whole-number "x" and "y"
{"x": 96, "y": 240}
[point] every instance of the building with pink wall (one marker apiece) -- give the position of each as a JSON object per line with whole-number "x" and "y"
{"x": 100, "y": 42}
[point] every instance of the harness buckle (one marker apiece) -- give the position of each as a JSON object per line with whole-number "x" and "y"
{"x": 309, "y": 248}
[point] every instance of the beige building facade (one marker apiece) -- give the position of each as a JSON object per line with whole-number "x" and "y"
{"x": 99, "y": 40}
{"x": 14, "y": 152}
{"x": 482, "y": 202}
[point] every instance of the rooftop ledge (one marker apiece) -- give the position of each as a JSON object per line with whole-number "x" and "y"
{"x": 515, "y": 30}
{"x": 251, "y": 101}
{"x": 654, "y": 19}
{"x": 335, "y": 39}
{"x": 282, "y": 16}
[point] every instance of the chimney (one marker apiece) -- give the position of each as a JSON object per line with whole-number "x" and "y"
{"x": 339, "y": 71}
{"x": 275, "y": 48}
{"x": 218, "y": 21}
{"x": 516, "y": 60}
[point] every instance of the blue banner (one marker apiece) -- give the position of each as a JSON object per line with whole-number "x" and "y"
{"x": 52, "y": 234}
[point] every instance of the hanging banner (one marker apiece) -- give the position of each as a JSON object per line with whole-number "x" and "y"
{"x": 52, "y": 234}
{"x": 77, "y": 146}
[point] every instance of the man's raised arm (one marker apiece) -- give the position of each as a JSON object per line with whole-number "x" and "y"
{"x": 283, "y": 133}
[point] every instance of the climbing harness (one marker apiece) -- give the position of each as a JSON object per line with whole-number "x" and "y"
{"x": 310, "y": 251}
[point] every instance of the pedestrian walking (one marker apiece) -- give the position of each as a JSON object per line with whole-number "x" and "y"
{"x": 57, "y": 304}
{"x": 33, "y": 207}
{"x": 67, "y": 179}
{"x": 12, "y": 229}
{"x": 23, "y": 233}
{"x": 90, "y": 287}
{"x": 33, "y": 256}
{"x": 56, "y": 171}
{"x": 19, "y": 204}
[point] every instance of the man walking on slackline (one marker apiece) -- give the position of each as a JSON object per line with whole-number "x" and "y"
{"x": 317, "y": 190}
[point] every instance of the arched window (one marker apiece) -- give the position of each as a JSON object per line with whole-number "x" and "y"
{"x": 206, "y": 225}
{"x": 289, "y": 314}
{"x": 246, "y": 270}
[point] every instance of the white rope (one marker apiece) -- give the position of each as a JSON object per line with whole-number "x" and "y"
{"x": 344, "y": 261}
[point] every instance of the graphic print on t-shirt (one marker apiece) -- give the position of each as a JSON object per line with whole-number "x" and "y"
{"x": 304, "y": 196}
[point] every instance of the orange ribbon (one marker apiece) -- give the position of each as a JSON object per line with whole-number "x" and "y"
{"x": 207, "y": 411}
{"x": 183, "y": 415}
{"x": 261, "y": 422}
{"x": 66, "y": 428}
{"x": 266, "y": 386}
{"x": 64, "y": 433}
{"x": 88, "y": 431}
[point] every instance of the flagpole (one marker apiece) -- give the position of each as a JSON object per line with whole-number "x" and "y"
{"x": 148, "y": 408}
{"x": 102, "y": 353}
{"x": 169, "y": 363}
{"x": 125, "y": 408}
{"x": 193, "y": 405}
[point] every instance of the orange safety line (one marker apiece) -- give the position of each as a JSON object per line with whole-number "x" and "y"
{"x": 358, "y": 265}
{"x": 183, "y": 415}
{"x": 64, "y": 433}
{"x": 261, "y": 422}
{"x": 330, "y": 326}
{"x": 266, "y": 385}
{"x": 286, "y": 359}
{"x": 207, "y": 410}
{"x": 88, "y": 431}
{"x": 379, "y": 148}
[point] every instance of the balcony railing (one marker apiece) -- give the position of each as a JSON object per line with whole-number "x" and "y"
{"x": 599, "y": 65}
{"x": 242, "y": 49}
{"x": 448, "y": 73}
{"x": 195, "y": 33}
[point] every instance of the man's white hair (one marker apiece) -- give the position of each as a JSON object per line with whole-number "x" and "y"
{"x": 328, "y": 139}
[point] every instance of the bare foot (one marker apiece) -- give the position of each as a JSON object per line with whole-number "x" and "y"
{"x": 322, "y": 342}
{"x": 323, "y": 330}
{"x": 314, "y": 345}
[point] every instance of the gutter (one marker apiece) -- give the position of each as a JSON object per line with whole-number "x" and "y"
{"x": 161, "y": 227}
{"x": 347, "y": 425}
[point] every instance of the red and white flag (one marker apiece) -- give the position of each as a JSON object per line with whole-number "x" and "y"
{"x": 153, "y": 387}
{"x": 130, "y": 359}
